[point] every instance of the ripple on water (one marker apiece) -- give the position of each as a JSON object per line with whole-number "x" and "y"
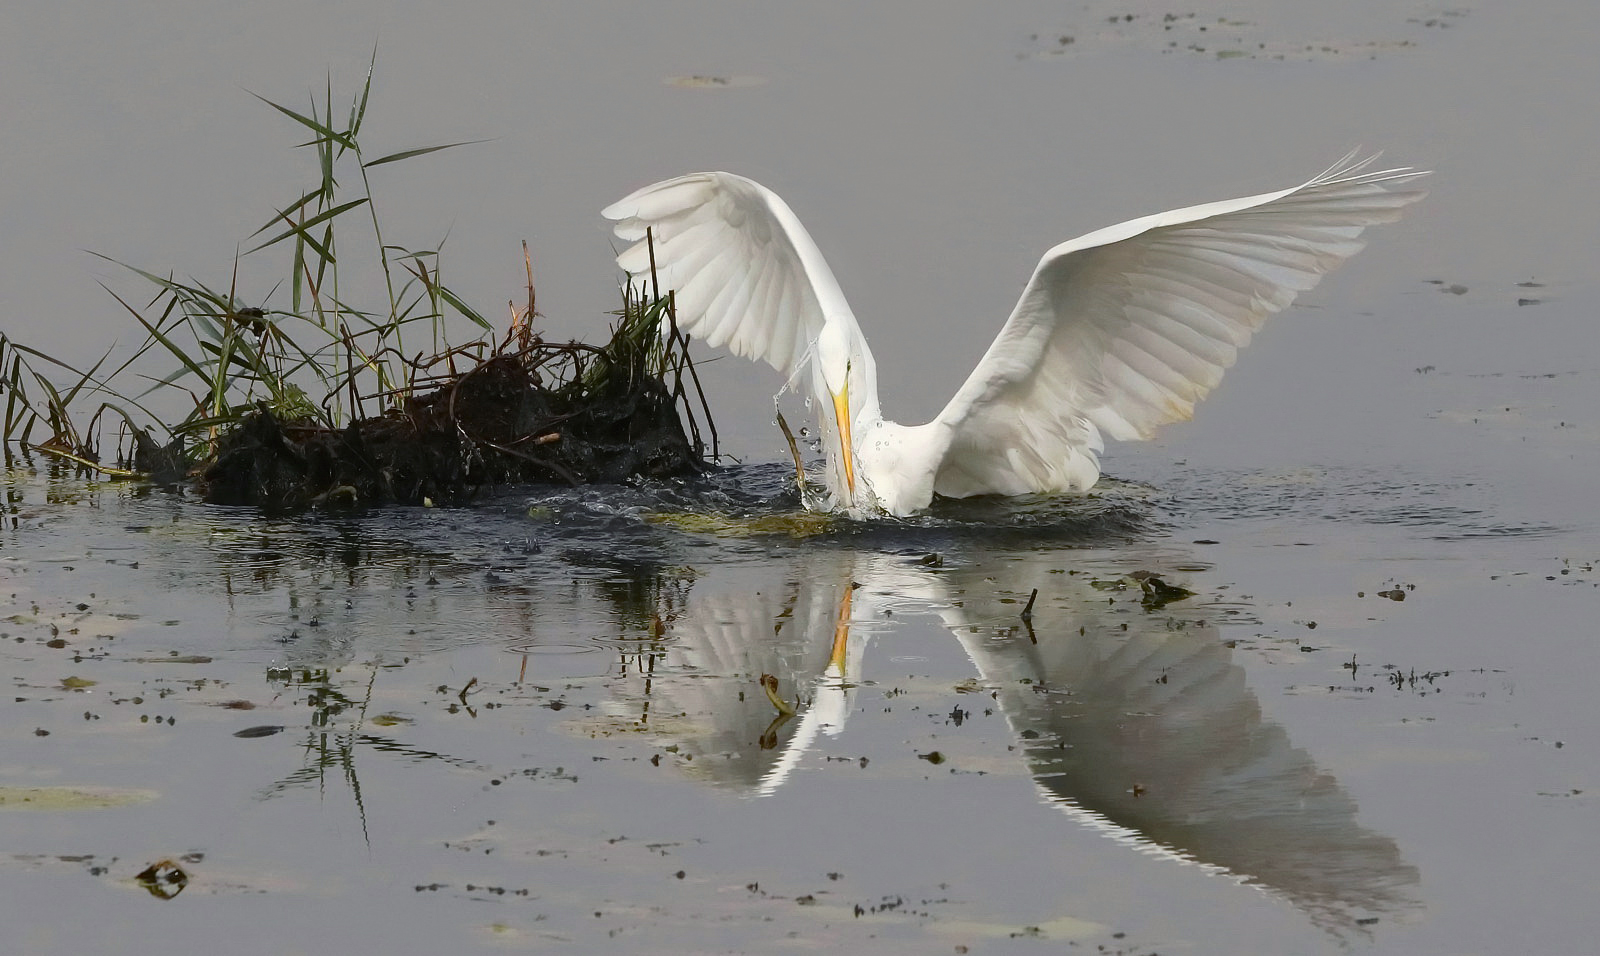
{"x": 1444, "y": 510}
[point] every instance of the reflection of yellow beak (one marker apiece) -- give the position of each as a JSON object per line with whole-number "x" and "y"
{"x": 841, "y": 414}
{"x": 841, "y": 634}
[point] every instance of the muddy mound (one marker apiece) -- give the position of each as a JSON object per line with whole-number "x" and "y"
{"x": 605, "y": 418}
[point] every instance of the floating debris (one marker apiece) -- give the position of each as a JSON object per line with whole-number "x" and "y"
{"x": 71, "y": 798}
{"x": 266, "y": 730}
{"x": 706, "y": 81}
{"x": 799, "y": 524}
{"x": 1101, "y": 26}
{"x": 1158, "y": 593}
{"x": 769, "y": 684}
{"x": 164, "y": 879}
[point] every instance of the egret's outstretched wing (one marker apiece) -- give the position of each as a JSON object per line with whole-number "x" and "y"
{"x": 746, "y": 273}
{"x": 1125, "y": 329}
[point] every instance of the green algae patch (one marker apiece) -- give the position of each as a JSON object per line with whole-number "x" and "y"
{"x": 799, "y": 524}
{"x": 71, "y": 798}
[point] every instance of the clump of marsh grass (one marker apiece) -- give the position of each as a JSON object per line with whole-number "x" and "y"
{"x": 272, "y": 381}
{"x": 318, "y": 358}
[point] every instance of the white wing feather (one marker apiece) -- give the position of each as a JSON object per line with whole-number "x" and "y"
{"x": 1125, "y": 329}
{"x": 747, "y": 275}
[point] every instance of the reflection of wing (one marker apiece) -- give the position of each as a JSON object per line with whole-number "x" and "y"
{"x": 1152, "y": 734}
{"x": 700, "y": 687}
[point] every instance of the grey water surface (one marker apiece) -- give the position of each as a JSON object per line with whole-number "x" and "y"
{"x": 539, "y": 723}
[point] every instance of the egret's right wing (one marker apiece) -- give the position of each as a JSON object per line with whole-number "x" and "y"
{"x": 746, "y": 273}
{"x": 1125, "y": 329}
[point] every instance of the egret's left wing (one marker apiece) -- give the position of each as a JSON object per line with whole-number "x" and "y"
{"x": 1125, "y": 329}
{"x": 746, "y": 273}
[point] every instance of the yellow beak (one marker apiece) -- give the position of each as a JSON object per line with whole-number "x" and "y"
{"x": 841, "y": 414}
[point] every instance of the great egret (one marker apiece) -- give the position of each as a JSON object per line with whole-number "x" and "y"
{"x": 1117, "y": 332}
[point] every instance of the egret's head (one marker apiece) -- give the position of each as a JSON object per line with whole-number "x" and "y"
{"x": 833, "y": 357}
{"x": 833, "y": 360}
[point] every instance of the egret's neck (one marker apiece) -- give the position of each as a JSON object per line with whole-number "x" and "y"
{"x": 841, "y": 358}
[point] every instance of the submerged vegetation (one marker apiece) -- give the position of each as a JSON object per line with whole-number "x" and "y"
{"x": 323, "y": 400}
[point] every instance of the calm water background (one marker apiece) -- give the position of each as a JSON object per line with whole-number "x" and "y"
{"x": 1409, "y": 426}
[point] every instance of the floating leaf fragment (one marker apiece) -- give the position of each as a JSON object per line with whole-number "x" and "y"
{"x": 265, "y": 730}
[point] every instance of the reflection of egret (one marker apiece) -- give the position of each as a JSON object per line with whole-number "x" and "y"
{"x": 1117, "y": 332}
{"x": 1137, "y": 724}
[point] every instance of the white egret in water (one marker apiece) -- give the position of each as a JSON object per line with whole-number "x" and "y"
{"x": 1117, "y": 332}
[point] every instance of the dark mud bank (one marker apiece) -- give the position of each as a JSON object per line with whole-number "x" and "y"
{"x": 495, "y": 424}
